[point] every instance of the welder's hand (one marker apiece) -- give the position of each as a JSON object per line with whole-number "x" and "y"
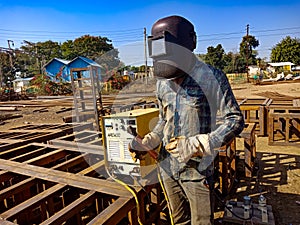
{"x": 184, "y": 148}
{"x": 151, "y": 141}
{"x": 137, "y": 149}
{"x": 135, "y": 155}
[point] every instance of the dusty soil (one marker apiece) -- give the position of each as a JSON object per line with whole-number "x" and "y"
{"x": 277, "y": 170}
{"x": 248, "y": 90}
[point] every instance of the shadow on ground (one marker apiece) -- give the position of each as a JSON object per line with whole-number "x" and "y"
{"x": 276, "y": 176}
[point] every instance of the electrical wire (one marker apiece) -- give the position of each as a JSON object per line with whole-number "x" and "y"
{"x": 165, "y": 194}
{"x": 131, "y": 191}
{"x": 73, "y": 32}
{"x": 117, "y": 35}
{"x": 130, "y": 34}
{"x": 143, "y": 188}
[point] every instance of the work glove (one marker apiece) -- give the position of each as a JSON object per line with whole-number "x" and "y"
{"x": 139, "y": 147}
{"x": 184, "y": 148}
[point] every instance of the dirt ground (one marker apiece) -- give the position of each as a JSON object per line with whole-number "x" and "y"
{"x": 277, "y": 169}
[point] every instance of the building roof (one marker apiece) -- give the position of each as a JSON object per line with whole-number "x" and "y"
{"x": 281, "y": 64}
{"x": 23, "y": 79}
{"x": 63, "y": 61}
{"x": 87, "y": 60}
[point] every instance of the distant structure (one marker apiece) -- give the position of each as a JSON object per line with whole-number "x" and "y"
{"x": 59, "y": 70}
{"x": 20, "y": 83}
{"x": 287, "y": 66}
{"x": 253, "y": 70}
{"x": 57, "y": 67}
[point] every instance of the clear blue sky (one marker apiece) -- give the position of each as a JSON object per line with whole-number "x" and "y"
{"x": 216, "y": 22}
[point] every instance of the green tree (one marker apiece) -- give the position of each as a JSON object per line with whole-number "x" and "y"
{"x": 109, "y": 60}
{"x": 5, "y": 70}
{"x": 88, "y": 46}
{"x": 134, "y": 69}
{"x": 287, "y": 50}
{"x": 247, "y": 46}
{"x": 142, "y": 68}
{"x": 215, "y": 57}
{"x": 262, "y": 63}
{"x": 42, "y": 52}
{"x": 48, "y": 50}
{"x": 24, "y": 63}
{"x": 67, "y": 49}
{"x": 91, "y": 46}
{"x": 235, "y": 63}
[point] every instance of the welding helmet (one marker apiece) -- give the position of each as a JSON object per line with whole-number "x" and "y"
{"x": 171, "y": 46}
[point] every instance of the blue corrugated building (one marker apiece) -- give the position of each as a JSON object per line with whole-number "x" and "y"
{"x": 56, "y": 68}
{"x": 83, "y": 62}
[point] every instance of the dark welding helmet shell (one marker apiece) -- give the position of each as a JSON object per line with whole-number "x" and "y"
{"x": 181, "y": 30}
{"x": 179, "y": 42}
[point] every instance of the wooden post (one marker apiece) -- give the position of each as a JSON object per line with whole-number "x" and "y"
{"x": 248, "y": 134}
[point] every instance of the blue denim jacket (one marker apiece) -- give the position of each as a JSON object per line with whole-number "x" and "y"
{"x": 202, "y": 104}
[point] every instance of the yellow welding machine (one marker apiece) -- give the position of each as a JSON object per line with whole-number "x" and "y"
{"x": 118, "y": 131}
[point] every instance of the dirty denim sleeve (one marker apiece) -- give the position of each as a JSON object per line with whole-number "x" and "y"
{"x": 231, "y": 121}
{"x": 159, "y": 128}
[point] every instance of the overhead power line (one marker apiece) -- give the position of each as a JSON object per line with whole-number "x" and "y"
{"x": 118, "y": 33}
{"x": 129, "y": 35}
{"x": 133, "y": 35}
{"x": 278, "y": 29}
{"x": 239, "y": 37}
{"x": 74, "y": 32}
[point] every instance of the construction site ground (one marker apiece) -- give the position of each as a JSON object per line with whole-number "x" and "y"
{"x": 277, "y": 169}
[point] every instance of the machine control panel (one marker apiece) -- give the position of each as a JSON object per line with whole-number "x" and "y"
{"x": 118, "y": 131}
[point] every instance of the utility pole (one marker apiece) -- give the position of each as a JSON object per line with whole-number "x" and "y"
{"x": 145, "y": 48}
{"x": 1, "y": 75}
{"x": 35, "y": 49}
{"x": 247, "y": 52}
{"x": 10, "y": 53}
{"x": 11, "y": 77}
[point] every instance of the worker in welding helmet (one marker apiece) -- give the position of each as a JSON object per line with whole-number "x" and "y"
{"x": 198, "y": 114}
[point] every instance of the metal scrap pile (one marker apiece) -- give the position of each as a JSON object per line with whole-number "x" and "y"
{"x": 9, "y": 94}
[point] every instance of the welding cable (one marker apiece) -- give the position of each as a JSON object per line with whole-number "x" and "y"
{"x": 131, "y": 191}
{"x": 141, "y": 186}
{"x": 165, "y": 194}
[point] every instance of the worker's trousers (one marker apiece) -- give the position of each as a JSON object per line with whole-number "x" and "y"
{"x": 190, "y": 197}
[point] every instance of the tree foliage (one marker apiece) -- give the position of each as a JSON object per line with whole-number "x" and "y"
{"x": 40, "y": 53}
{"x": 248, "y": 44}
{"x": 287, "y": 50}
{"x": 88, "y": 46}
{"x": 67, "y": 50}
{"x": 44, "y": 86}
{"x": 215, "y": 57}
{"x": 234, "y": 63}
{"x": 117, "y": 81}
{"x": 109, "y": 60}
{"x": 5, "y": 68}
